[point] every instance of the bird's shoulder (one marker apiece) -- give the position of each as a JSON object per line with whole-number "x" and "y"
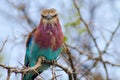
{"x": 29, "y": 38}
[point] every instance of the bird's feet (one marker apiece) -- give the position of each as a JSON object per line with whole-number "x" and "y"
{"x": 42, "y": 58}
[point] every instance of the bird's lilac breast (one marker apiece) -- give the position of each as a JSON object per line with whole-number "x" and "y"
{"x": 49, "y": 36}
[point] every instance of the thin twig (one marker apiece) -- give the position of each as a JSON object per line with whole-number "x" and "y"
{"x": 71, "y": 62}
{"x": 117, "y": 65}
{"x": 53, "y": 73}
{"x": 3, "y": 45}
{"x": 111, "y": 38}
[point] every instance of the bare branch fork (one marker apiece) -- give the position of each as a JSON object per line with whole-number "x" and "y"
{"x": 111, "y": 38}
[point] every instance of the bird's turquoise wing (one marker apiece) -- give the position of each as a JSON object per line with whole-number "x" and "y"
{"x": 28, "y": 45}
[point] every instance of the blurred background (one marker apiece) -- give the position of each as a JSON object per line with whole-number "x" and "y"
{"x": 19, "y": 17}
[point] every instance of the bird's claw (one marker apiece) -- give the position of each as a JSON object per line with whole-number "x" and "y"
{"x": 42, "y": 58}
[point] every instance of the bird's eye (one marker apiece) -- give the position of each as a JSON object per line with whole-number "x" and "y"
{"x": 44, "y": 16}
{"x": 54, "y": 16}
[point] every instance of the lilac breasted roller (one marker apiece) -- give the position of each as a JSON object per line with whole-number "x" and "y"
{"x": 46, "y": 40}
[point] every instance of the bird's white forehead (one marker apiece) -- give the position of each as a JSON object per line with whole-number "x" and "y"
{"x": 49, "y": 12}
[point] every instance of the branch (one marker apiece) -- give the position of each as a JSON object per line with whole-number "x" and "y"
{"x": 25, "y": 70}
{"x": 41, "y": 60}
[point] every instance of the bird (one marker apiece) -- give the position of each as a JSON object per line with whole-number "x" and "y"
{"x": 45, "y": 40}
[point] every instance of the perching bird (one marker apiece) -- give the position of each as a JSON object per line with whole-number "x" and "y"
{"x": 46, "y": 40}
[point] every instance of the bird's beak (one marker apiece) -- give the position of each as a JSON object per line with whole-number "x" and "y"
{"x": 49, "y": 17}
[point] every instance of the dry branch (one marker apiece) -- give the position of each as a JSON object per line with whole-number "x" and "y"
{"x": 34, "y": 68}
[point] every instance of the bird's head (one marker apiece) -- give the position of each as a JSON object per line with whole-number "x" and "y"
{"x": 49, "y": 16}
